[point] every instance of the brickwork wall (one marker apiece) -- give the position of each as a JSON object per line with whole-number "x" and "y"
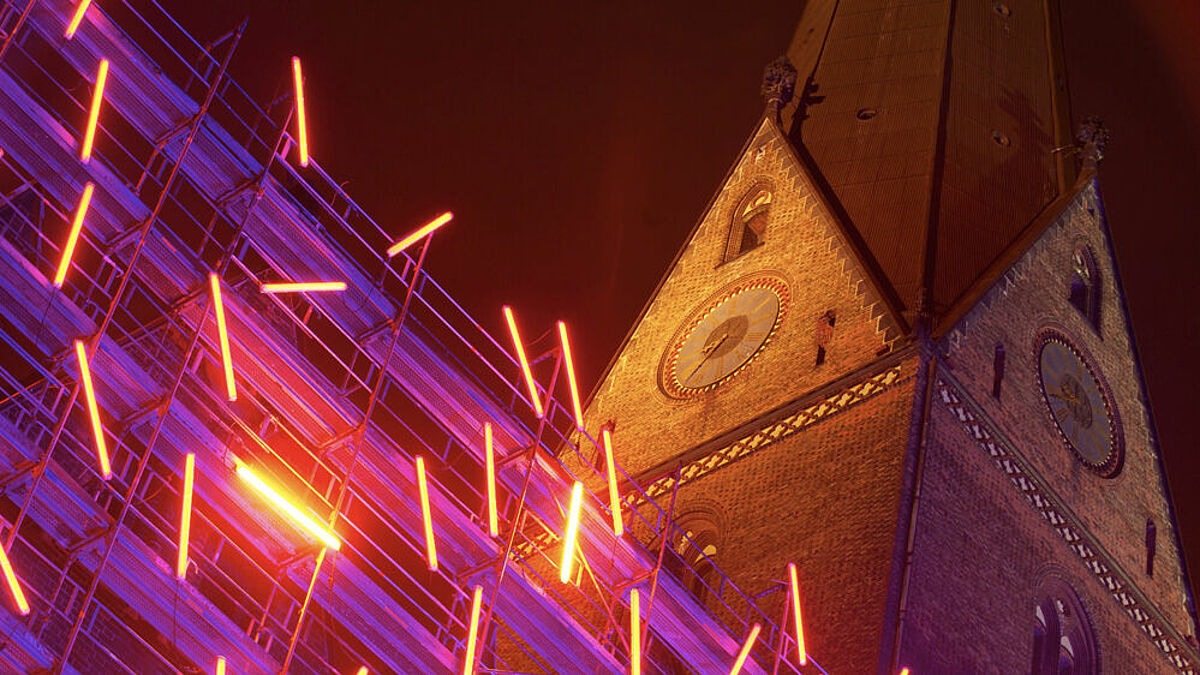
{"x": 974, "y": 520}
{"x": 802, "y": 245}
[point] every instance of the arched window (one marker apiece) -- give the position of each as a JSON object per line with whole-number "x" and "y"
{"x": 1084, "y": 292}
{"x": 1063, "y": 641}
{"x": 749, "y": 223}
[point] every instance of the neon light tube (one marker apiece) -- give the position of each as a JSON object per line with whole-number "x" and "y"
{"x": 745, "y": 653}
{"x": 572, "y": 528}
{"x": 223, "y": 336}
{"x": 280, "y": 502}
{"x": 635, "y": 633}
{"x": 614, "y": 497}
{"x": 304, "y": 286}
{"x": 361, "y": 671}
{"x": 570, "y": 364}
{"x": 904, "y": 671}
{"x": 89, "y": 134}
{"x": 490, "y": 451}
{"x": 430, "y": 544}
{"x": 73, "y": 237}
{"x": 185, "y": 516}
{"x": 89, "y": 395}
{"x": 801, "y": 654}
{"x": 77, "y": 18}
{"x": 416, "y": 235}
{"x": 220, "y": 667}
{"x": 516, "y": 336}
{"x": 13, "y": 584}
{"x": 472, "y": 632}
{"x": 301, "y": 121}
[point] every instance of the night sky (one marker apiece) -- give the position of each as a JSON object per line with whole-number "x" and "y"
{"x": 578, "y": 144}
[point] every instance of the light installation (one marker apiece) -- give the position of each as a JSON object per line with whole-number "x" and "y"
{"x": 473, "y": 631}
{"x": 14, "y": 585}
{"x": 73, "y": 236}
{"x": 304, "y": 287}
{"x": 361, "y": 671}
{"x": 426, "y": 516}
{"x": 523, "y": 360}
{"x": 746, "y": 647}
{"x": 308, "y": 523}
{"x": 185, "y": 515}
{"x": 301, "y": 118}
{"x": 610, "y": 469}
{"x": 89, "y": 133}
{"x": 572, "y": 529}
{"x": 569, "y": 364}
{"x": 219, "y": 667}
{"x": 420, "y": 233}
{"x": 89, "y": 397}
{"x": 76, "y": 18}
{"x": 223, "y": 337}
{"x": 635, "y": 633}
{"x": 490, "y": 470}
{"x": 794, "y": 592}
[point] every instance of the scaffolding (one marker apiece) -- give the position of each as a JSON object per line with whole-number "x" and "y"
{"x": 338, "y": 395}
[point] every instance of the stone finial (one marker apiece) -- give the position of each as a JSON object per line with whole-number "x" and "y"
{"x": 779, "y": 82}
{"x": 1092, "y": 138}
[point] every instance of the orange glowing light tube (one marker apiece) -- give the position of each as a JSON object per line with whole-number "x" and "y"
{"x": 416, "y": 235}
{"x": 473, "y": 632}
{"x": 301, "y": 120}
{"x": 490, "y": 451}
{"x": 745, "y": 653}
{"x": 89, "y": 134}
{"x": 89, "y": 395}
{"x": 614, "y": 497}
{"x": 223, "y": 336}
{"x": 280, "y": 502}
{"x": 635, "y": 633}
{"x": 77, "y": 18}
{"x": 185, "y": 516}
{"x": 423, "y": 487}
{"x": 304, "y": 286}
{"x": 13, "y": 584}
{"x": 220, "y": 667}
{"x": 801, "y": 654}
{"x": 572, "y": 529}
{"x": 516, "y": 336}
{"x": 570, "y": 365}
{"x": 73, "y": 237}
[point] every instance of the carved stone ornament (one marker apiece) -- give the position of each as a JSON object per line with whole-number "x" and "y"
{"x": 1092, "y": 138}
{"x": 779, "y": 82}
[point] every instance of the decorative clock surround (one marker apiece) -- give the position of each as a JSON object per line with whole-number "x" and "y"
{"x": 723, "y": 335}
{"x": 1079, "y": 403}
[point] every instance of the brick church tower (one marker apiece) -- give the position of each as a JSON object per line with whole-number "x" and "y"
{"x": 894, "y": 350}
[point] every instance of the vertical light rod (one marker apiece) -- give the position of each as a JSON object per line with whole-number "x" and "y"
{"x": 220, "y": 666}
{"x": 73, "y": 237}
{"x": 745, "y": 653}
{"x": 185, "y": 515}
{"x": 516, "y": 336}
{"x": 77, "y": 18}
{"x": 473, "y": 631}
{"x": 280, "y": 502}
{"x": 14, "y": 585}
{"x": 419, "y": 233}
{"x": 635, "y": 633}
{"x": 362, "y": 670}
{"x": 89, "y": 395}
{"x": 614, "y": 497}
{"x": 801, "y": 654}
{"x": 570, "y": 365}
{"x": 223, "y": 336}
{"x": 301, "y": 119}
{"x": 490, "y": 452}
{"x": 423, "y": 487}
{"x": 572, "y": 529}
{"x": 904, "y": 671}
{"x": 89, "y": 134}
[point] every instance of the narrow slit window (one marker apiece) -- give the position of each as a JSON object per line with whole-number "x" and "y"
{"x": 1084, "y": 291}
{"x": 997, "y": 369}
{"x": 1151, "y": 546}
{"x": 824, "y": 334}
{"x": 749, "y": 223}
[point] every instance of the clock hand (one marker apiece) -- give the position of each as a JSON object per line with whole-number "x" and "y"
{"x": 707, "y": 351}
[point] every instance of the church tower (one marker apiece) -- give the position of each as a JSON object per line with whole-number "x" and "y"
{"x": 894, "y": 351}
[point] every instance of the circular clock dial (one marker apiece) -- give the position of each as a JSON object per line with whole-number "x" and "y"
{"x": 1079, "y": 404}
{"x": 727, "y": 334}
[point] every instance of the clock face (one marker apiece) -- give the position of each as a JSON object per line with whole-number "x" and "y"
{"x": 1079, "y": 404}
{"x": 723, "y": 336}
